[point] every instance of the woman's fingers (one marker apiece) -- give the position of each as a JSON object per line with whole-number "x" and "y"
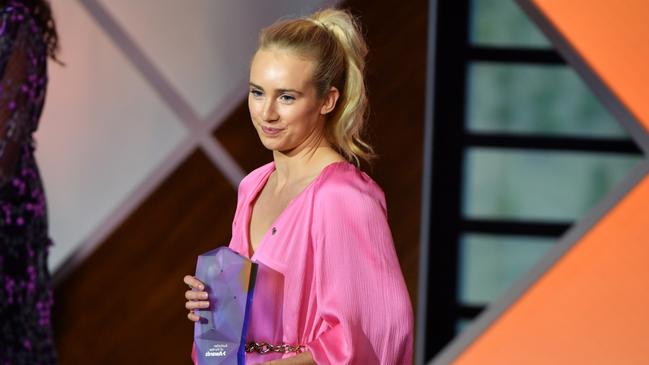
{"x": 193, "y": 304}
{"x": 195, "y": 295}
{"x": 193, "y": 317}
{"x": 193, "y": 282}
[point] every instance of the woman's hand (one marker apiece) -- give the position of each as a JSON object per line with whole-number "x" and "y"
{"x": 196, "y": 297}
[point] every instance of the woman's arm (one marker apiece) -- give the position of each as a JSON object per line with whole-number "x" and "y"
{"x": 368, "y": 319}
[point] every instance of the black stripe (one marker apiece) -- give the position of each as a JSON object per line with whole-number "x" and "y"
{"x": 586, "y": 144}
{"x": 523, "y": 228}
{"x": 514, "y": 55}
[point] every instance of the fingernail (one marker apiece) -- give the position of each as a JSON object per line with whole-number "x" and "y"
{"x": 201, "y": 287}
{"x": 204, "y": 296}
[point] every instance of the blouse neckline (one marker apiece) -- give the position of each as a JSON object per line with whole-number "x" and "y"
{"x": 254, "y": 193}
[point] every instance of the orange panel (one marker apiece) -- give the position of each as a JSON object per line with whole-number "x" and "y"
{"x": 613, "y": 38}
{"x": 592, "y": 307}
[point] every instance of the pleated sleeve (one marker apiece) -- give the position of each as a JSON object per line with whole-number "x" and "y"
{"x": 363, "y": 305}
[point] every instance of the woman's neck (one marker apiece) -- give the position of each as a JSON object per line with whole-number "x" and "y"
{"x": 305, "y": 165}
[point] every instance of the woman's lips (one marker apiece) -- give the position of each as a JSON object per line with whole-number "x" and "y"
{"x": 271, "y": 131}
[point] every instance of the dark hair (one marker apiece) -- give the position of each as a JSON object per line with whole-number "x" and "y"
{"x": 42, "y": 15}
{"x": 45, "y": 21}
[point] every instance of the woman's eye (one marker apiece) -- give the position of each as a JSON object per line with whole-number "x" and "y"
{"x": 255, "y": 93}
{"x": 287, "y": 98}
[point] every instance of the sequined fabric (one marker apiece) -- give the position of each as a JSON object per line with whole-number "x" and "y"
{"x": 25, "y": 293}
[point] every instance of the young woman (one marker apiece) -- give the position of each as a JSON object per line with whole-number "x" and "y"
{"x": 27, "y": 37}
{"x": 311, "y": 214}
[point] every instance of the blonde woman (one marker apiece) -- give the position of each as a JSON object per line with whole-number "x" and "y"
{"x": 312, "y": 214}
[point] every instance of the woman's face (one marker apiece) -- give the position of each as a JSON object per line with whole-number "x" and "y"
{"x": 284, "y": 106}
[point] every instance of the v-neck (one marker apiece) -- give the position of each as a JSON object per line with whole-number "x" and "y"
{"x": 254, "y": 195}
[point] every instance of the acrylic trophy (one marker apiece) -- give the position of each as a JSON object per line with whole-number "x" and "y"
{"x": 240, "y": 292}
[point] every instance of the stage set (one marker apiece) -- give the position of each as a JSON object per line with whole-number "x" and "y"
{"x": 511, "y": 139}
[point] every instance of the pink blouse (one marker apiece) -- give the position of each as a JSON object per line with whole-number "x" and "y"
{"x": 344, "y": 296}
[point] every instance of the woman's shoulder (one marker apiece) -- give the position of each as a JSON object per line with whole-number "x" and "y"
{"x": 254, "y": 176}
{"x": 344, "y": 182}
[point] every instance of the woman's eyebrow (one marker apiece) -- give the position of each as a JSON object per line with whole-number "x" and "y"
{"x": 255, "y": 86}
{"x": 279, "y": 91}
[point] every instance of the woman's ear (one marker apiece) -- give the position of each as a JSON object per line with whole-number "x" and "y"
{"x": 330, "y": 100}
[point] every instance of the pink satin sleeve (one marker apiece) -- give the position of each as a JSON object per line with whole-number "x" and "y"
{"x": 361, "y": 294}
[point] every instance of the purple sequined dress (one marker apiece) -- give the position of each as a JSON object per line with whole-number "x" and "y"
{"x": 25, "y": 293}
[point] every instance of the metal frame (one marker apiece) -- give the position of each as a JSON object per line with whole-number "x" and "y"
{"x": 445, "y": 163}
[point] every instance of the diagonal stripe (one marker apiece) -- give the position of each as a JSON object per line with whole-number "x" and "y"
{"x": 221, "y": 158}
{"x": 124, "y": 209}
{"x": 140, "y": 61}
{"x": 199, "y": 129}
{"x": 200, "y": 136}
{"x": 232, "y": 101}
{"x": 495, "y": 310}
{"x": 606, "y": 96}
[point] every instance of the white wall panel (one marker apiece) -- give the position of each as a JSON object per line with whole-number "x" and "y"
{"x": 102, "y": 132}
{"x": 203, "y": 47}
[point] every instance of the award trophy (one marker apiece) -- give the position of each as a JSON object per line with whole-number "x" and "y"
{"x": 219, "y": 335}
{"x": 240, "y": 292}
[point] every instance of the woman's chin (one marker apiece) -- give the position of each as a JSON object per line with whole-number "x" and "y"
{"x": 273, "y": 144}
{"x": 269, "y": 145}
{"x": 279, "y": 149}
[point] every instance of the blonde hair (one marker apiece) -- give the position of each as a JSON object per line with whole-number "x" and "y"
{"x": 331, "y": 38}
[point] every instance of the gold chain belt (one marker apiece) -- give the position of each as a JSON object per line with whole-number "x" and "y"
{"x": 264, "y": 348}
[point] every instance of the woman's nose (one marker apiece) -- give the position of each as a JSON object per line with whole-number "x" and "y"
{"x": 269, "y": 113}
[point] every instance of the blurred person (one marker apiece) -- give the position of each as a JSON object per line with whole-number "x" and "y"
{"x": 27, "y": 37}
{"x": 312, "y": 214}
